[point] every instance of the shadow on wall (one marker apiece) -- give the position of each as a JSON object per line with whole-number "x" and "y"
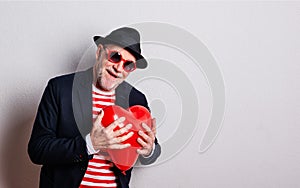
{"x": 16, "y": 168}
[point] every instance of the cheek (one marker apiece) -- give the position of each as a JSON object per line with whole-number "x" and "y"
{"x": 100, "y": 67}
{"x": 106, "y": 65}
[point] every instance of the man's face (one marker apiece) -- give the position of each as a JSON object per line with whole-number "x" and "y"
{"x": 109, "y": 75}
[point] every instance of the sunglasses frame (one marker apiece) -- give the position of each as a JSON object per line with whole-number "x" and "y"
{"x": 125, "y": 62}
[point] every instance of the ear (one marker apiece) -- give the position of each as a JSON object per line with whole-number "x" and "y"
{"x": 99, "y": 49}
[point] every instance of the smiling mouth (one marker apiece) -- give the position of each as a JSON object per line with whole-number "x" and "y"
{"x": 112, "y": 74}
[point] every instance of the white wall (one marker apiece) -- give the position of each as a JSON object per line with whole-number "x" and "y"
{"x": 256, "y": 46}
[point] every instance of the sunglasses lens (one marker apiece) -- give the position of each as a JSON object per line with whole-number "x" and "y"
{"x": 115, "y": 57}
{"x": 129, "y": 66}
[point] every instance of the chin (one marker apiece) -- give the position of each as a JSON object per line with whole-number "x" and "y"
{"x": 108, "y": 86}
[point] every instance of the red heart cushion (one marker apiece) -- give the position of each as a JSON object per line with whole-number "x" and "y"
{"x": 124, "y": 159}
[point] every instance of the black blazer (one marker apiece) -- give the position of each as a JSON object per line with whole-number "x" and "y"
{"x": 63, "y": 119}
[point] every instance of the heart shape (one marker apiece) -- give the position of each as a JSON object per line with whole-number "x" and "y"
{"x": 124, "y": 159}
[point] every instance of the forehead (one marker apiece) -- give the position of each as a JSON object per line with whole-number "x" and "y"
{"x": 125, "y": 53}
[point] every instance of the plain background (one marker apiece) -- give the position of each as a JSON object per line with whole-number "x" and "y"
{"x": 257, "y": 49}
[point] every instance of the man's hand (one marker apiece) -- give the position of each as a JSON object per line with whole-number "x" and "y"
{"x": 106, "y": 137}
{"x": 147, "y": 139}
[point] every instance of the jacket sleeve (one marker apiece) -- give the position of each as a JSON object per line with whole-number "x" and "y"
{"x": 44, "y": 146}
{"x": 153, "y": 157}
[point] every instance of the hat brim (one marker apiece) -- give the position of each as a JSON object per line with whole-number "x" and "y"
{"x": 141, "y": 62}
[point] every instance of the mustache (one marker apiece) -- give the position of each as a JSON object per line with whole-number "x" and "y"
{"x": 111, "y": 72}
{"x": 114, "y": 73}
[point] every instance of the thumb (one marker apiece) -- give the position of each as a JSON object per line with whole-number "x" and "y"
{"x": 99, "y": 118}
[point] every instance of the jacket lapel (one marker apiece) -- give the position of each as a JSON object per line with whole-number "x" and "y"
{"x": 122, "y": 95}
{"x": 82, "y": 101}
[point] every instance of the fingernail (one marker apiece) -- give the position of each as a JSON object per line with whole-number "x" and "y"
{"x": 140, "y": 132}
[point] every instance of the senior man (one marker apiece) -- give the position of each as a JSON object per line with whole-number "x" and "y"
{"x": 67, "y": 136}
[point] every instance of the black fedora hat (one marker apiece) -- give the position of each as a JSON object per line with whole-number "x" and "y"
{"x": 127, "y": 38}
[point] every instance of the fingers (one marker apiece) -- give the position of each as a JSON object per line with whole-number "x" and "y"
{"x": 115, "y": 143}
{"x": 119, "y": 146}
{"x": 115, "y": 146}
{"x": 120, "y": 139}
{"x": 123, "y": 130}
{"x": 146, "y": 147}
{"x": 148, "y": 131}
{"x": 146, "y": 127}
{"x": 146, "y": 137}
{"x": 114, "y": 124}
{"x": 146, "y": 140}
{"x": 117, "y": 137}
{"x": 154, "y": 125}
{"x": 142, "y": 143}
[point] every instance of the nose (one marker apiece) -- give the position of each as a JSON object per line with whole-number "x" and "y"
{"x": 118, "y": 66}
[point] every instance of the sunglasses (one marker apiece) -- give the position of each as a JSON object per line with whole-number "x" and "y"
{"x": 116, "y": 57}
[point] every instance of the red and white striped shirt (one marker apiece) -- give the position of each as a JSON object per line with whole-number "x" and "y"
{"x": 99, "y": 173}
